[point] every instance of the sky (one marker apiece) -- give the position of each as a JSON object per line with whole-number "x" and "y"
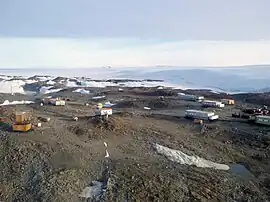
{"x": 84, "y": 33}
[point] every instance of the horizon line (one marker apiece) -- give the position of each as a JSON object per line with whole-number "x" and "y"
{"x": 156, "y": 66}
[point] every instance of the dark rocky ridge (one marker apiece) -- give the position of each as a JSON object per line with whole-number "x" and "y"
{"x": 51, "y": 163}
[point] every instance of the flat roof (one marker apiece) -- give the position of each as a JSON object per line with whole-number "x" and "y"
{"x": 263, "y": 116}
{"x": 194, "y": 110}
{"x": 212, "y": 101}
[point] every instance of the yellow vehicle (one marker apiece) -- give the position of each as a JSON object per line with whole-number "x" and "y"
{"x": 22, "y": 127}
{"x": 22, "y": 123}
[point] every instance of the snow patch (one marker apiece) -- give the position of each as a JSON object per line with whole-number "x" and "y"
{"x": 108, "y": 104}
{"x": 182, "y": 158}
{"x": 82, "y": 91}
{"x": 45, "y": 78}
{"x": 6, "y": 102}
{"x": 4, "y": 77}
{"x": 14, "y": 86}
{"x": 94, "y": 191}
{"x": 28, "y": 81}
{"x": 98, "y": 97}
{"x": 142, "y": 84}
{"x": 212, "y": 91}
{"x": 104, "y": 84}
{"x": 47, "y": 90}
{"x": 50, "y": 82}
{"x": 70, "y": 84}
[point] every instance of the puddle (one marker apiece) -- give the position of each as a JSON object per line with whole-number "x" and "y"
{"x": 240, "y": 170}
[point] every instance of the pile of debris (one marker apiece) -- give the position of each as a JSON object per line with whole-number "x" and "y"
{"x": 127, "y": 104}
{"x": 116, "y": 124}
{"x": 246, "y": 113}
{"x": 257, "y": 111}
{"x": 159, "y": 103}
{"x": 79, "y": 130}
{"x": 6, "y": 114}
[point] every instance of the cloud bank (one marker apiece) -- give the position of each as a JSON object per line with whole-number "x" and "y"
{"x": 125, "y": 52}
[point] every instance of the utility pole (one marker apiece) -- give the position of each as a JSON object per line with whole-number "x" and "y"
{"x": 12, "y": 90}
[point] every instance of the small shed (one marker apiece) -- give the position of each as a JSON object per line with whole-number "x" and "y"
{"x": 212, "y": 103}
{"x": 104, "y": 111}
{"x": 228, "y": 101}
{"x": 57, "y": 102}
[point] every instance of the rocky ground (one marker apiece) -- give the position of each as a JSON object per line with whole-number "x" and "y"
{"x": 57, "y": 161}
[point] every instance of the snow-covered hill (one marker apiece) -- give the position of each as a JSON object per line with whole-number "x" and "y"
{"x": 230, "y": 79}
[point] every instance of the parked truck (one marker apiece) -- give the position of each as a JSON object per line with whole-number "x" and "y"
{"x": 211, "y": 103}
{"x": 22, "y": 122}
{"x": 188, "y": 97}
{"x": 203, "y": 115}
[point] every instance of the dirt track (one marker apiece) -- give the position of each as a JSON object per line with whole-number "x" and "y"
{"x": 58, "y": 160}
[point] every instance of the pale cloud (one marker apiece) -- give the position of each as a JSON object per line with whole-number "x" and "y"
{"x": 96, "y": 52}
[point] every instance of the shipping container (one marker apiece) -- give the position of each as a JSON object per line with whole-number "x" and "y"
{"x": 190, "y": 97}
{"x": 264, "y": 120}
{"x": 197, "y": 114}
{"x": 210, "y": 103}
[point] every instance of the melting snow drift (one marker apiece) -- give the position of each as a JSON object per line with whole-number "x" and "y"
{"x": 12, "y": 86}
{"x": 16, "y": 102}
{"x": 94, "y": 191}
{"x": 182, "y": 158}
{"x": 47, "y": 90}
{"x": 82, "y": 91}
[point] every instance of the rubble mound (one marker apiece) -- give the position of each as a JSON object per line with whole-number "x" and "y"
{"x": 60, "y": 78}
{"x": 79, "y": 130}
{"x": 26, "y": 167}
{"x": 127, "y": 104}
{"x": 6, "y": 114}
{"x": 130, "y": 181}
{"x": 157, "y": 104}
{"x": 157, "y": 93}
{"x": 116, "y": 124}
{"x": 254, "y": 98}
{"x": 98, "y": 127}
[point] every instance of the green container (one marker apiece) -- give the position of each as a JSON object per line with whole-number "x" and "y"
{"x": 264, "y": 120}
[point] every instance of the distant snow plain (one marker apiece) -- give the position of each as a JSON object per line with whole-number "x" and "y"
{"x": 221, "y": 79}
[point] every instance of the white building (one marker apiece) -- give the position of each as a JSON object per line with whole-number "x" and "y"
{"x": 197, "y": 114}
{"x": 210, "y": 103}
{"x": 190, "y": 97}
